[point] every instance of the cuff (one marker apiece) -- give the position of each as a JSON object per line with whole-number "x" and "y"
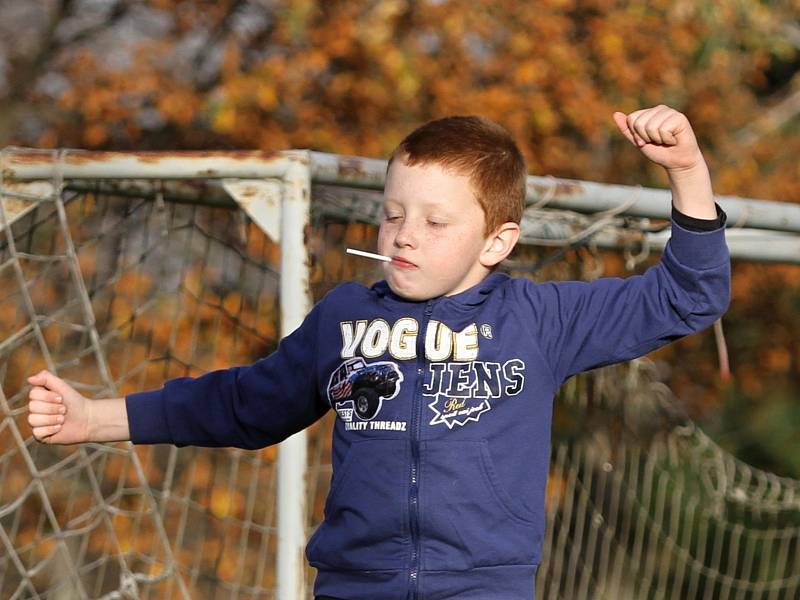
{"x": 698, "y": 249}
{"x": 147, "y": 420}
{"x": 695, "y": 224}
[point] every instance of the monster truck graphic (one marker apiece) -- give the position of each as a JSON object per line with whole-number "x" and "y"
{"x": 361, "y": 387}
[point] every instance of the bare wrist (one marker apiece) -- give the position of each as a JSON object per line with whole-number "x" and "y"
{"x": 90, "y": 426}
{"x": 692, "y": 193}
{"x": 107, "y": 420}
{"x": 697, "y": 168}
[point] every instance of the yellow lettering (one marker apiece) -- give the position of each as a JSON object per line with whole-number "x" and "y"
{"x": 453, "y": 404}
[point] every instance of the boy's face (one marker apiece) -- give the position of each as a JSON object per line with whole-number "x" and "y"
{"x": 433, "y": 229}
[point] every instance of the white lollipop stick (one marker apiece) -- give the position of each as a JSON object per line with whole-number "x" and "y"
{"x": 369, "y": 255}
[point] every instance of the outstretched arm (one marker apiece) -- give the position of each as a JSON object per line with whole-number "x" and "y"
{"x": 58, "y": 414}
{"x": 665, "y": 136}
{"x": 584, "y": 325}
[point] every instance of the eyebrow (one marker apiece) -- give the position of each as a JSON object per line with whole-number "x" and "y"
{"x": 425, "y": 203}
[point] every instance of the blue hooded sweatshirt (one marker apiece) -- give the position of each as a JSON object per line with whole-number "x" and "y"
{"x": 442, "y": 439}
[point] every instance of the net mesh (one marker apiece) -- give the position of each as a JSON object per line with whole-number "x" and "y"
{"x": 642, "y": 504}
{"x": 117, "y": 290}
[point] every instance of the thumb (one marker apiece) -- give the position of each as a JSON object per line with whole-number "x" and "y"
{"x": 46, "y": 379}
{"x": 37, "y": 379}
{"x": 621, "y": 119}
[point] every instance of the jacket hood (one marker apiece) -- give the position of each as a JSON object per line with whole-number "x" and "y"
{"x": 474, "y": 296}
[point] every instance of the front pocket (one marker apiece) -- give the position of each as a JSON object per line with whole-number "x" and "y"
{"x": 366, "y": 514}
{"x": 467, "y": 517}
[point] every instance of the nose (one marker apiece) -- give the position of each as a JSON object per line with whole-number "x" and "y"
{"x": 406, "y": 236}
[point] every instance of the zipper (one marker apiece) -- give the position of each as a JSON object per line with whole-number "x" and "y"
{"x": 416, "y": 426}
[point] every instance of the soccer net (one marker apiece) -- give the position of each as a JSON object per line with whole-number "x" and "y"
{"x": 119, "y": 284}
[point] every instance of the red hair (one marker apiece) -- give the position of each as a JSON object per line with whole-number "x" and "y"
{"x": 480, "y": 149}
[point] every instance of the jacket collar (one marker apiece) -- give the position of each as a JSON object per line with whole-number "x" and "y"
{"x": 473, "y": 296}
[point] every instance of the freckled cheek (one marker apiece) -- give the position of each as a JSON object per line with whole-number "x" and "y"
{"x": 447, "y": 241}
{"x": 439, "y": 236}
{"x": 383, "y": 238}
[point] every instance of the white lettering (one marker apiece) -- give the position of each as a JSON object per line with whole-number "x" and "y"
{"x": 465, "y": 346}
{"x": 387, "y": 425}
{"x": 376, "y": 339}
{"x": 351, "y": 337}
{"x": 438, "y": 341}
{"x": 355, "y": 426}
{"x": 403, "y": 341}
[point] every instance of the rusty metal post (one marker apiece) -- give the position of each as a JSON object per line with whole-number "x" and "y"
{"x": 295, "y": 302}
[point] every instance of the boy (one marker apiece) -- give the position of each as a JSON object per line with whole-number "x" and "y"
{"x": 442, "y": 376}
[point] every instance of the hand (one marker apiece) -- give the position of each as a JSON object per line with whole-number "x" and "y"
{"x": 56, "y": 412}
{"x": 664, "y": 135}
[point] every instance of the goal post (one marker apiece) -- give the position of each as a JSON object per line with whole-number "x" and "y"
{"x": 120, "y": 270}
{"x": 291, "y": 174}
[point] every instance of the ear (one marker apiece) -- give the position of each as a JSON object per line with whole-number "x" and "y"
{"x": 499, "y": 244}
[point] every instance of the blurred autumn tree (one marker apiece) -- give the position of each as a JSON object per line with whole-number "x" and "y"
{"x": 352, "y": 76}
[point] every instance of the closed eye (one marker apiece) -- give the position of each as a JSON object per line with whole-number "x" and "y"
{"x": 437, "y": 224}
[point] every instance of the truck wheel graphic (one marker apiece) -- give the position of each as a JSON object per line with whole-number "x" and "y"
{"x": 367, "y": 403}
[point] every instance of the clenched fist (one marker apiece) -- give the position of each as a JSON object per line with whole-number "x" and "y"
{"x": 664, "y": 135}
{"x": 56, "y": 412}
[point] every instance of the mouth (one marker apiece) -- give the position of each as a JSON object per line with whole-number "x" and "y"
{"x": 402, "y": 263}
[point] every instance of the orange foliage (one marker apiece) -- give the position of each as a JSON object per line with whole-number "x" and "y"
{"x": 226, "y": 502}
{"x": 352, "y": 77}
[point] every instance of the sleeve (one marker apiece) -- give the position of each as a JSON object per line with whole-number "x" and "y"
{"x": 248, "y": 407}
{"x": 584, "y": 325}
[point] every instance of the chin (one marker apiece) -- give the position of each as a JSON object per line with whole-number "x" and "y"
{"x": 409, "y": 293}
